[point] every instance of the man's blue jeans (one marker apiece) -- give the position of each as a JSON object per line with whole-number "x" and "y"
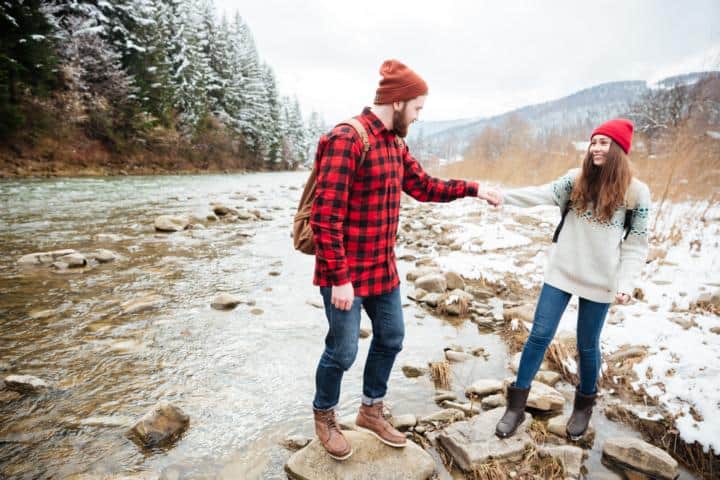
{"x": 341, "y": 346}
{"x": 550, "y": 307}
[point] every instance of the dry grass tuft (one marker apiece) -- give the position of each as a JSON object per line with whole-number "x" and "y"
{"x": 440, "y": 373}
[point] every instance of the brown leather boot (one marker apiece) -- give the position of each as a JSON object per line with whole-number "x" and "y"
{"x": 370, "y": 418}
{"x": 327, "y": 430}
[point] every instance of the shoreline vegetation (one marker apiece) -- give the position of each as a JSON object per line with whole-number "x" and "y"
{"x": 140, "y": 87}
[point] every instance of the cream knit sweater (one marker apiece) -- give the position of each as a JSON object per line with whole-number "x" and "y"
{"x": 590, "y": 258}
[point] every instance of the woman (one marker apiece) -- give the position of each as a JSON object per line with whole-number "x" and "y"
{"x": 593, "y": 257}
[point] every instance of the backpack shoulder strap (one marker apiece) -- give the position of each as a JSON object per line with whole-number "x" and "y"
{"x": 630, "y": 204}
{"x": 360, "y": 129}
{"x": 562, "y": 222}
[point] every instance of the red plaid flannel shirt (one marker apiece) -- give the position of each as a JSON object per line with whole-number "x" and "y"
{"x": 355, "y": 214}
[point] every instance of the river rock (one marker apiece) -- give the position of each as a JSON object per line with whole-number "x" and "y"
{"x": 403, "y": 422}
{"x": 442, "y": 395}
{"x": 454, "y": 281}
{"x": 548, "y": 377}
{"x": 493, "y": 401}
{"x": 481, "y": 293}
{"x": 171, "y": 223}
{"x": 220, "y": 210}
{"x": 467, "y": 408}
{"x": 244, "y": 215}
{"x": 456, "y": 302}
{"x": 707, "y": 299}
{"x": 447, "y": 415}
{"x": 103, "y": 256}
{"x": 484, "y": 387}
{"x": 432, "y": 299}
{"x": 296, "y": 442}
{"x": 225, "y": 301}
{"x": 525, "y": 313}
{"x": 570, "y": 457}
{"x": 633, "y": 454}
{"x": 473, "y": 442}
{"x": 417, "y": 295}
{"x": 412, "y": 370}
{"x": 421, "y": 272}
{"x": 160, "y": 426}
{"x": 544, "y": 397}
{"x": 25, "y": 384}
{"x": 433, "y": 283}
{"x": 371, "y": 460}
{"x": 44, "y": 257}
{"x": 74, "y": 260}
{"x": 453, "y": 356}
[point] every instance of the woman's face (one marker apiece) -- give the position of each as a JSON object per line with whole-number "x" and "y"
{"x": 599, "y": 148}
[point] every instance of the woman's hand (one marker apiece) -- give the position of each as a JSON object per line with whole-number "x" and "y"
{"x": 622, "y": 298}
{"x": 492, "y": 196}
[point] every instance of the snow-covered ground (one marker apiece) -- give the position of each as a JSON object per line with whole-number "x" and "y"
{"x": 682, "y": 368}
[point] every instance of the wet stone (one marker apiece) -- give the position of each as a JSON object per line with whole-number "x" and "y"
{"x": 25, "y": 384}
{"x": 161, "y": 426}
{"x": 473, "y": 442}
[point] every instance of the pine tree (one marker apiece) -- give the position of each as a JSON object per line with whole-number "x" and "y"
{"x": 27, "y": 59}
{"x": 151, "y": 66}
{"x": 252, "y": 106}
{"x": 271, "y": 125}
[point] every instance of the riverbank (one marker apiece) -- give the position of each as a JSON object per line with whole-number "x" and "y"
{"x": 112, "y": 339}
{"x": 68, "y": 151}
{"x": 659, "y": 351}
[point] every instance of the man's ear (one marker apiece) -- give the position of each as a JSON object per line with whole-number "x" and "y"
{"x": 398, "y": 106}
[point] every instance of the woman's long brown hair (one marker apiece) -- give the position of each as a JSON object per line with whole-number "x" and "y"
{"x": 603, "y": 187}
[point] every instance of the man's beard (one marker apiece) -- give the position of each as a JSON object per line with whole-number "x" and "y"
{"x": 400, "y": 126}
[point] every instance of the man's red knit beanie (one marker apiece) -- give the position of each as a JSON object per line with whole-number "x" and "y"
{"x": 398, "y": 83}
{"x": 620, "y": 130}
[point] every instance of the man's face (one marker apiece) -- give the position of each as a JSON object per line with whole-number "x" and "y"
{"x": 406, "y": 113}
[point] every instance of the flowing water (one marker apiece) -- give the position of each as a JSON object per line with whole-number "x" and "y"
{"x": 245, "y": 377}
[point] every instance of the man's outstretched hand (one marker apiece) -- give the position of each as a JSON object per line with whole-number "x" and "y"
{"x": 491, "y": 196}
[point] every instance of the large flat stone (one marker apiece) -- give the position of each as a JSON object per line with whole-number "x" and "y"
{"x": 473, "y": 442}
{"x": 544, "y": 397}
{"x": 630, "y": 453}
{"x": 571, "y": 458}
{"x": 371, "y": 460}
{"x": 484, "y": 387}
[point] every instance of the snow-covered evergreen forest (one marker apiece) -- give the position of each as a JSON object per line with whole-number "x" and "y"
{"x": 139, "y": 73}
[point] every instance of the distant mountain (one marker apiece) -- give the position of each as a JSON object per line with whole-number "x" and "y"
{"x": 575, "y": 114}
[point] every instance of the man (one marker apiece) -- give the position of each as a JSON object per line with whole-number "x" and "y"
{"x": 354, "y": 221}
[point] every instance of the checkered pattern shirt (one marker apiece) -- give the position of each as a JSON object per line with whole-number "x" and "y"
{"x": 355, "y": 213}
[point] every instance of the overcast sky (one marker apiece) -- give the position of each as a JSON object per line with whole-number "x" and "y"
{"x": 478, "y": 57}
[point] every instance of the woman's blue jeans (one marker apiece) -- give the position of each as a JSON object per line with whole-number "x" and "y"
{"x": 550, "y": 307}
{"x": 341, "y": 346}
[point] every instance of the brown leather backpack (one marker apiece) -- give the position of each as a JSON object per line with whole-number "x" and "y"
{"x": 303, "y": 239}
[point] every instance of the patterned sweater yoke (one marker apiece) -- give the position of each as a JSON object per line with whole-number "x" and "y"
{"x": 591, "y": 258}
